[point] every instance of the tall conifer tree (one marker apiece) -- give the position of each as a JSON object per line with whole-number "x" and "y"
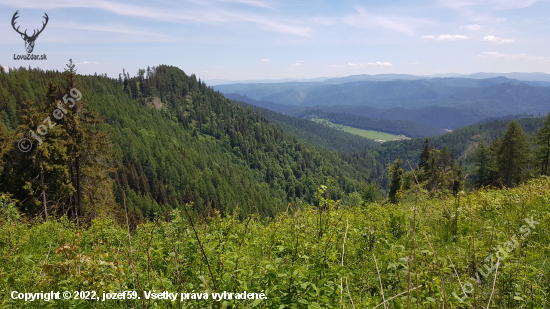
{"x": 543, "y": 143}
{"x": 396, "y": 186}
{"x": 425, "y": 155}
{"x": 514, "y": 155}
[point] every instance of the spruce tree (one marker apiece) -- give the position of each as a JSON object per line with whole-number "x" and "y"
{"x": 484, "y": 160}
{"x": 425, "y": 155}
{"x": 513, "y": 155}
{"x": 543, "y": 143}
{"x": 444, "y": 158}
{"x": 458, "y": 177}
{"x": 88, "y": 147}
{"x": 24, "y": 171}
{"x": 432, "y": 172}
{"x": 396, "y": 186}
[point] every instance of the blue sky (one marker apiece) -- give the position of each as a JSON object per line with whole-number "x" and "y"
{"x": 274, "y": 39}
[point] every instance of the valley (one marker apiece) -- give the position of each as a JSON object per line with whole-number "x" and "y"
{"x": 275, "y": 154}
{"x": 446, "y": 103}
{"x": 243, "y": 194}
{"x": 375, "y": 135}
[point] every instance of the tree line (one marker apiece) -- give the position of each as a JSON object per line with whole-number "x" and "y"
{"x": 150, "y": 142}
{"x": 508, "y": 161}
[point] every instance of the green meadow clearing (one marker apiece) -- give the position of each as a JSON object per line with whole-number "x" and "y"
{"x": 375, "y": 135}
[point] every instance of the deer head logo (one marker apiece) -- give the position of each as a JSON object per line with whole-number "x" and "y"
{"x": 29, "y": 40}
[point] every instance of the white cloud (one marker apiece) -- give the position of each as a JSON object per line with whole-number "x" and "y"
{"x": 413, "y": 63}
{"x": 218, "y": 67}
{"x": 448, "y": 37}
{"x": 264, "y": 60}
{"x": 207, "y": 13}
{"x": 86, "y": 63}
{"x": 496, "y": 40}
{"x": 445, "y": 37}
{"x": 106, "y": 28}
{"x": 494, "y": 4}
{"x": 261, "y": 4}
{"x": 513, "y": 57}
{"x": 298, "y": 62}
{"x": 473, "y": 27}
{"x": 362, "y": 65}
{"x": 511, "y": 4}
{"x": 402, "y": 24}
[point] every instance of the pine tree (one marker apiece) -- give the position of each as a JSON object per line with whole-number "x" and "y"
{"x": 87, "y": 148}
{"x": 24, "y": 171}
{"x": 458, "y": 177}
{"x": 514, "y": 155}
{"x": 425, "y": 155}
{"x": 432, "y": 172}
{"x": 543, "y": 143}
{"x": 484, "y": 160}
{"x": 444, "y": 158}
{"x": 396, "y": 186}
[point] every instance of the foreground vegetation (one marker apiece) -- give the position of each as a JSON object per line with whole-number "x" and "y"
{"x": 305, "y": 257}
{"x": 156, "y": 182}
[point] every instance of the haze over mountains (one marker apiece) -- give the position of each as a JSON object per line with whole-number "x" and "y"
{"x": 441, "y": 102}
{"x": 535, "y": 77}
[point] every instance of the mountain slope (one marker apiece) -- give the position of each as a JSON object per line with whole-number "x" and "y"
{"x": 461, "y": 142}
{"x": 397, "y": 127}
{"x": 442, "y": 102}
{"x": 173, "y": 135}
{"x": 315, "y": 133}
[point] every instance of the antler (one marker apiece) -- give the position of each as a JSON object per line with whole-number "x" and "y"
{"x": 43, "y": 26}
{"x": 13, "y": 24}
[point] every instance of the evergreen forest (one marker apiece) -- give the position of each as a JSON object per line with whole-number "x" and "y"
{"x": 157, "y": 182}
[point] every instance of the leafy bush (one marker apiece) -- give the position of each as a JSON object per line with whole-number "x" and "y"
{"x": 304, "y": 257}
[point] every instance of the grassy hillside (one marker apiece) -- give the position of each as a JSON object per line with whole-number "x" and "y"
{"x": 480, "y": 248}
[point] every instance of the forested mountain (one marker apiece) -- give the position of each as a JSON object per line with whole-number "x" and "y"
{"x": 257, "y": 208}
{"x": 142, "y": 141}
{"x": 461, "y": 143}
{"x": 313, "y": 132}
{"x": 280, "y": 108}
{"x": 362, "y": 117}
{"x": 447, "y": 103}
{"x": 435, "y": 116}
{"x": 171, "y": 135}
{"x": 398, "y": 127}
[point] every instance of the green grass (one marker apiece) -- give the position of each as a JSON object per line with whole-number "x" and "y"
{"x": 305, "y": 255}
{"x": 375, "y": 135}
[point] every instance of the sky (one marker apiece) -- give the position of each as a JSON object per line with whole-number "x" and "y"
{"x": 276, "y": 39}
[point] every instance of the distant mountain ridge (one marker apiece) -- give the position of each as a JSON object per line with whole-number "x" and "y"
{"x": 543, "y": 78}
{"x": 443, "y": 102}
{"x": 357, "y": 118}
